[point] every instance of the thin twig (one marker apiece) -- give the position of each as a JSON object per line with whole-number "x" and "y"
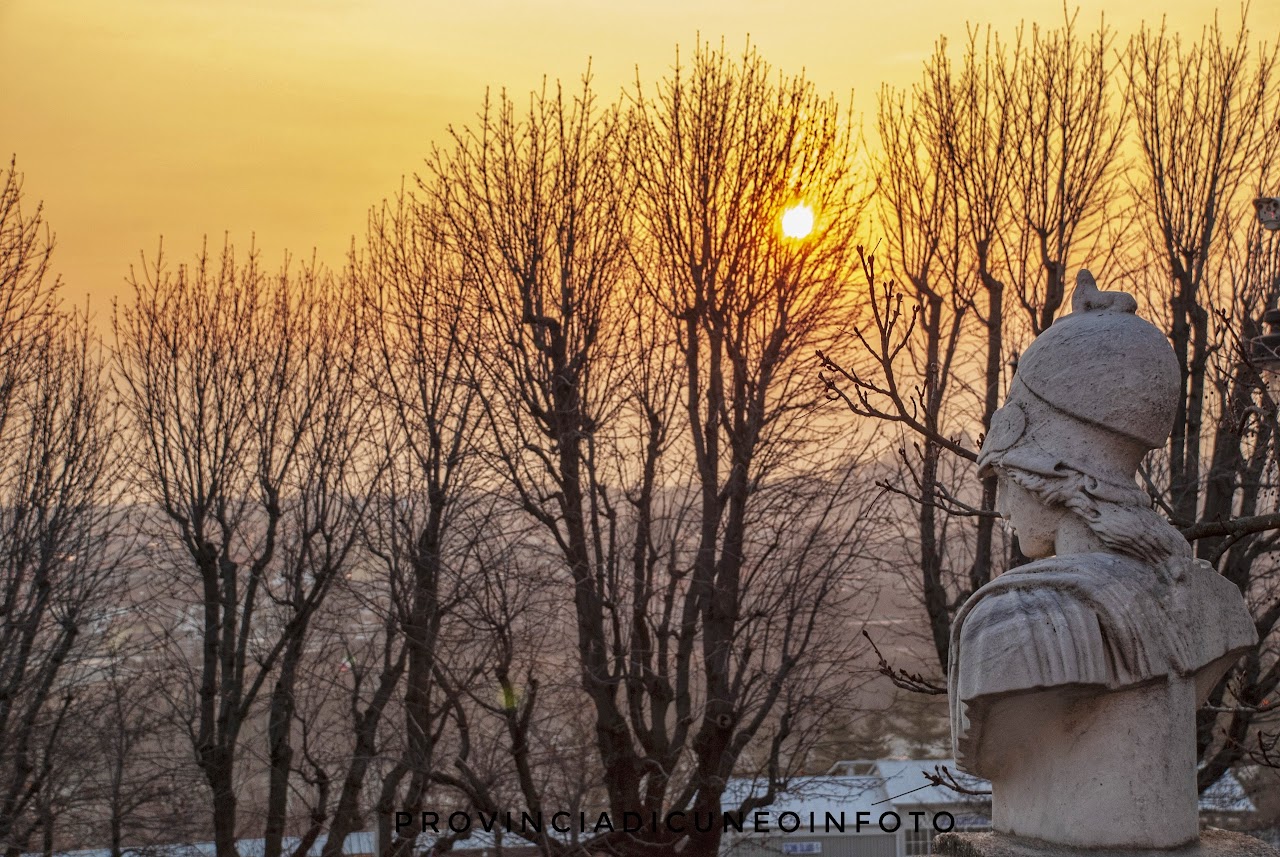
{"x": 951, "y": 506}
{"x": 941, "y": 776}
{"x": 913, "y": 682}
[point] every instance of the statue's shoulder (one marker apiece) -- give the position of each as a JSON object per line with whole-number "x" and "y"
{"x": 1080, "y": 619}
{"x": 1094, "y": 573}
{"x": 1111, "y": 620}
{"x": 1181, "y": 579}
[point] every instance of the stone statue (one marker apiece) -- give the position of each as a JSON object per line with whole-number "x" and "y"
{"x": 1074, "y": 679}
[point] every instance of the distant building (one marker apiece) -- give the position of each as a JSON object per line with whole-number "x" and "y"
{"x": 886, "y": 808}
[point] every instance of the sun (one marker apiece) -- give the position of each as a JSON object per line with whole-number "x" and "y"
{"x": 797, "y": 221}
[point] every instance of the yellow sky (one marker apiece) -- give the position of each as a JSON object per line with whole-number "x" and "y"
{"x": 289, "y": 118}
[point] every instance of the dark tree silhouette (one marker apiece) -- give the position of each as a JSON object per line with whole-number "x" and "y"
{"x": 59, "y": 555}
{"x": 247, "y": 433}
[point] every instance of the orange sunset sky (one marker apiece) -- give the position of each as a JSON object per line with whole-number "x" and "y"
{"x": 289, "y": 118}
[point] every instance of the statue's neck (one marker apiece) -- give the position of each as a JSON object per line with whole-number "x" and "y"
{"x": 1074, "y": 536}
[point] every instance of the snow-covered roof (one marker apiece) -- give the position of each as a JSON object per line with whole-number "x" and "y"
{"x": 902, "y": 775}
{"x": 1226, "y": 795}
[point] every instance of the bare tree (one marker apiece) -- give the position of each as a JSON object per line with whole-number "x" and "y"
{"x": 1067, "y": 175}
{"x": 132, "y": 780}
{"x": 643, "y": 329}
{"x": 719, "y": 150}
{"x": 994, "y": 178}
{"x": 532, "y": 207}
{"x": 1202, "y": 114}
{"x": 1205, "y": 114}
{"x": 58, "y": 521}
{"x": 432, "y": 501}
{"x": 248, "y": 434}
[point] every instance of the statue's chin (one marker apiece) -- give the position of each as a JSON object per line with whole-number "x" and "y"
{"x": 1036, "y": 545}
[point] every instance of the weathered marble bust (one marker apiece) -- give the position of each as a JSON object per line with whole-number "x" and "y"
{"x": 1074, "y": 679}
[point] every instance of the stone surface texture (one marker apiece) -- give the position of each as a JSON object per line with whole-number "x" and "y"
{"x": 1212, "y": 843}
{"x": 1074, "y": 679}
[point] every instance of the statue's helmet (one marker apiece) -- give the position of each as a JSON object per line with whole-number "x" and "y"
{"x": 1094, "y": 393}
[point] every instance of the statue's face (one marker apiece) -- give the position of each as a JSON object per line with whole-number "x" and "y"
{"x": 1035, "y": 523}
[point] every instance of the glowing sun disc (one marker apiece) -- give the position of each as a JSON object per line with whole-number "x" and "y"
{"x": 797, "y": 221}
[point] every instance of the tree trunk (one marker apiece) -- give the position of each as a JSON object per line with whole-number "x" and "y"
{"x": 279, "y": 747}
{"x": 218, "y": 771}
{"x": 346, "y": 814}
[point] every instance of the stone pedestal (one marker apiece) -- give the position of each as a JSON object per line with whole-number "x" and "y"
{"x": 1212, "y": 843}
{"x": 1095, "y": 769}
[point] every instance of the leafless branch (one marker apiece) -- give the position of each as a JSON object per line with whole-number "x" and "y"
{"x": 913, "y": 682}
